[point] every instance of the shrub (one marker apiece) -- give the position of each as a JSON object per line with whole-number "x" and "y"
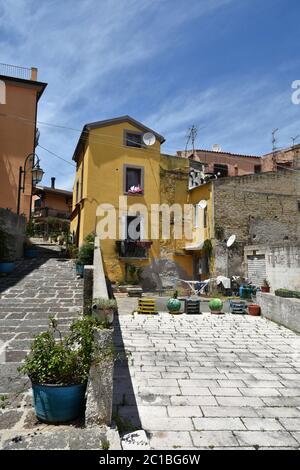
{"x": 62, "y": 361}
{"x": 86, "y": 251}
{"x": 105, "y": 304}
{"x": 4, "y": 252}
{"x": 287, "y": 293}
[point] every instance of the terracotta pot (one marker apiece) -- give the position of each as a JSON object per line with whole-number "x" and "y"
{"x": 265, "y": 288}
{"x": 254, "y": 309}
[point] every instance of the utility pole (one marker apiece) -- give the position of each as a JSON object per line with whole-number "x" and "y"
{"x": 274, "y": 148}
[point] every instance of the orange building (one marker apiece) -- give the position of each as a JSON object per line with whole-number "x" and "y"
{"x": 51, "y": 209}
{"x": 19, "y": 95}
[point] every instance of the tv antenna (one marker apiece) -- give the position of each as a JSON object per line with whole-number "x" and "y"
{"x": 191, "y": 137}
{"x": 231, "y": 240}
{"x": 274, "y": 148}
{"x": 149, "y": 139}
{"x": 294, "y": 140}
{"x": 202, "y": 204}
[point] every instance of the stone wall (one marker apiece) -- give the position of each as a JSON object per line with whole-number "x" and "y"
{"x": 282, "y": 264}
{"x": 100, "y": 384}
{"x": 259, "y": 209}
{"x": 283, "y": 267}
{"x": 281, "y": 310}
{"x": 174, "y": 262}
{"x": 14, "y": 228}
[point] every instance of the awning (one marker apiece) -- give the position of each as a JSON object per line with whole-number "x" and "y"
{"x": 194, "y": 246}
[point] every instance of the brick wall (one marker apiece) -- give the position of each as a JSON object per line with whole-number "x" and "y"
{"x": 259, "y": 209}
{"x": 237, "y": 164}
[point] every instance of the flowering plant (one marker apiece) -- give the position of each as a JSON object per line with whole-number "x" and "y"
{"x": 135, "y": 190}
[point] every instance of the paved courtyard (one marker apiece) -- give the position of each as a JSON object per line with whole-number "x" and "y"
{"x": 39, "y": 288}
{"x": 208, "y": 381}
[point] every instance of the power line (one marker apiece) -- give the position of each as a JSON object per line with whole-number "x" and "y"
{"x": 80, "y": 131}
{"x": 57, "y": 156}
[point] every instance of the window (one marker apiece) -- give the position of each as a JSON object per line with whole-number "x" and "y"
{"x": 220, "y": 170}
{"x": 133, "y": 139}
{"x": 37, "y": 203}
{"x": 77, "y": 191}
{"x": 133, "y": 179}
{"x": 205, "y": 217}
{"x": 257, "y": 168}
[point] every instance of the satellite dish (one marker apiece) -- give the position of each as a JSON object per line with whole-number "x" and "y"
{"x": 202, "y": 204}
{"x": 216, "y": 148}
{"x": 149, "y": 139}
{"x": 231, "y": 240}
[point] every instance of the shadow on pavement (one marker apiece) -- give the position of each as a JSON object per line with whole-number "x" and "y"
{"x": 125, "y": 409}
{"x": 25, "y": 266}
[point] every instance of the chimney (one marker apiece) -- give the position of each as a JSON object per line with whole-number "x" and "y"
{"x": 34, "y": 72}
{"x": 52, "y": 182}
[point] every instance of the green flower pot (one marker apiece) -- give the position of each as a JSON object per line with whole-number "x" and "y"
{"x": 215, "y": 306}
{"x": 174, "y": 305}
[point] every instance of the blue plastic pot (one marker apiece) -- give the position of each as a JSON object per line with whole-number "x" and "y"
{"x": 7, "y": 267}
{"x": 58, "y": 403}
{"x": 79, "y": 269}
{"x": 30, "y": 252}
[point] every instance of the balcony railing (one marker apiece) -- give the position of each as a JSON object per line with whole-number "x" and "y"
{"x": 25, "y": 73}
{"x": 133, "y": 249}
{"x": 47, "y": 212}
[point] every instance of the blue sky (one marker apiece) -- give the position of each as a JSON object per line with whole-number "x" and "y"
{"x": 225, "y": 66}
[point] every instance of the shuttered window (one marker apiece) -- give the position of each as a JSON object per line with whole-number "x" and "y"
{"x": 257, "y": 269}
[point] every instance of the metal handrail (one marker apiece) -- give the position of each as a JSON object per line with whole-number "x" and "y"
{"x": 16, "y": 71}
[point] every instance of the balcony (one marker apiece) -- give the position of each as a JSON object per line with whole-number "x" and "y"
{"x": 44, "y": 212}
{"x": 25, "y": 73}
{"x": 133, "y": 249}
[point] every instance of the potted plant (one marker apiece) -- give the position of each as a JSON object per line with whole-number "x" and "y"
{"x": 30, "y": 250}
{"x": 85, "y": 254}
{"x": 7, "y": 264}
{"x": 58, "y": 368}
{"x": 215, "y": 306}
{"x": 254, "y": 309}
{"x": 103, "y": 309}
{"x": 265, "y": 286}
{"x": 174, "y": 304}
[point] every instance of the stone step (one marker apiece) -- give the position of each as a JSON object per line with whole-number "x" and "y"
{"x": 90, "y": 438}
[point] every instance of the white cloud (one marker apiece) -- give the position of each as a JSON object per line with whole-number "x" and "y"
{"x": 94, "y": 56}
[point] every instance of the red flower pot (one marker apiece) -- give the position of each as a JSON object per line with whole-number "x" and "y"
{"x": 254, "y": 309}
{"x": 265, "y": 288}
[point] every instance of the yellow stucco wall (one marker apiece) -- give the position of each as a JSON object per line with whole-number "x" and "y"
{"x": 201, "y": 233}
{"x": 102, "y": 182}
{"x": 100, "y": 178}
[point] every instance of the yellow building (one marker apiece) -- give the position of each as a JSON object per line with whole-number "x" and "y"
{"x": 202, "y": 244}
{"x": 112, "y": 162}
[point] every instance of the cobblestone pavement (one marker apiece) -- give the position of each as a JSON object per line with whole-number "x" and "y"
{"x": 208, "y": 381}
{"x": 38, "y": 288}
